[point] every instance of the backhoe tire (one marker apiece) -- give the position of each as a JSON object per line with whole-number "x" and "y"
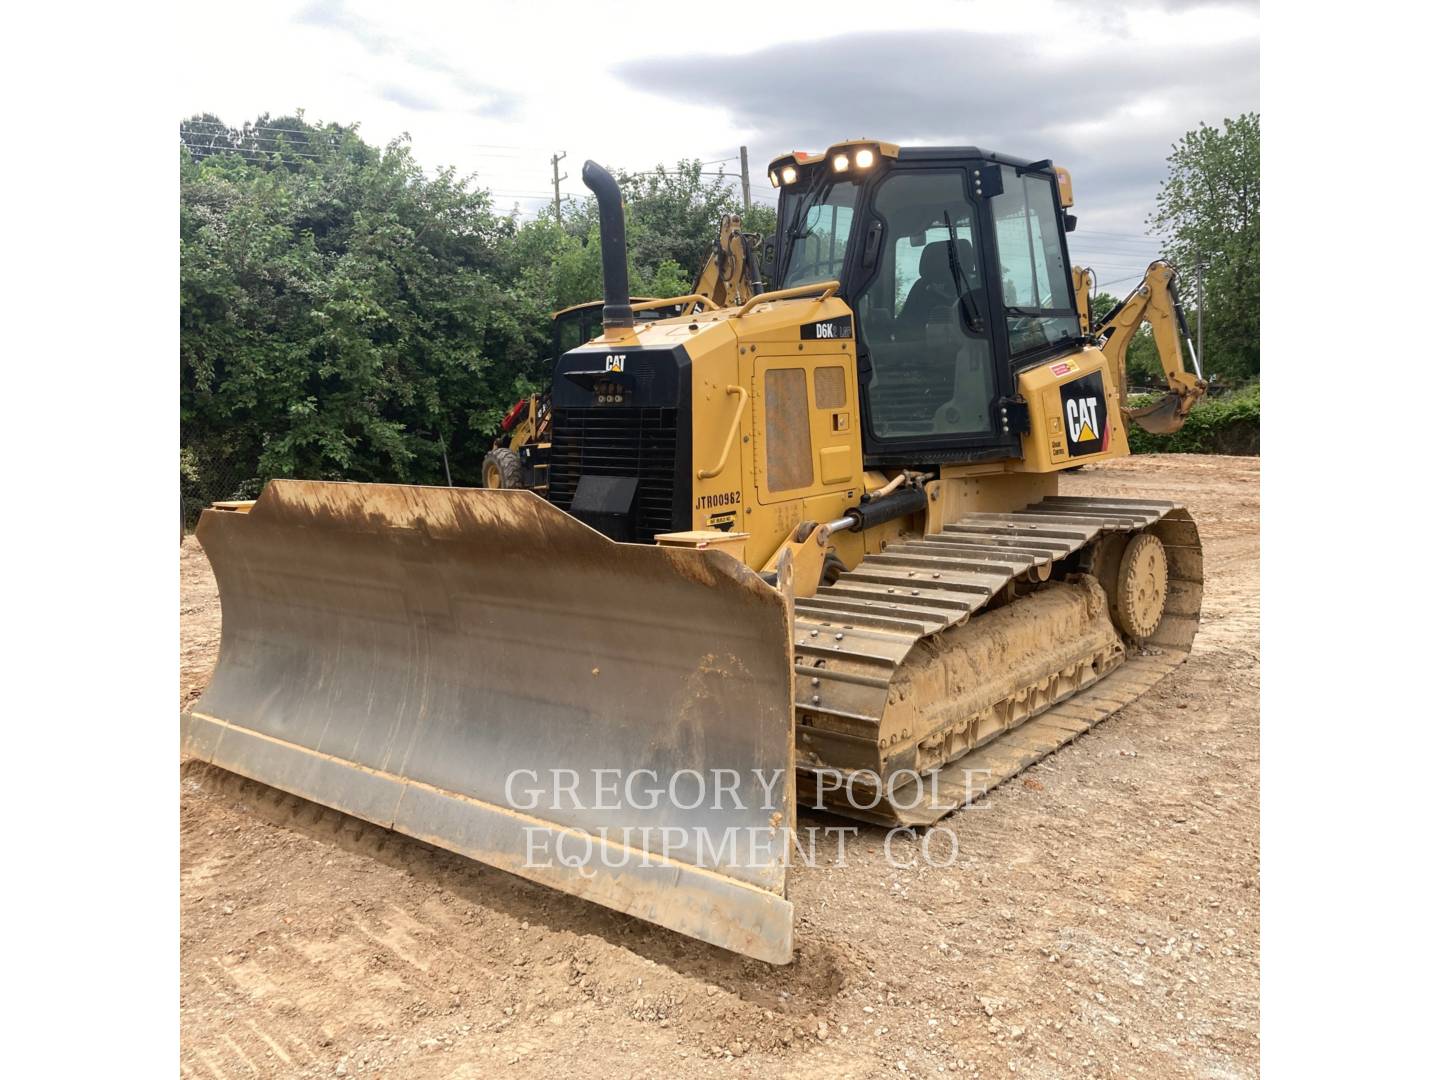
{"x": 501, "y": 469}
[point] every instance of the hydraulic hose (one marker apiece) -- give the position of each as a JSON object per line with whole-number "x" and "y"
{"x": 902, "y": 503}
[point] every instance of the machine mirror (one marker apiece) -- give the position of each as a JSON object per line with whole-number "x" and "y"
{"x": 989, "y": 181}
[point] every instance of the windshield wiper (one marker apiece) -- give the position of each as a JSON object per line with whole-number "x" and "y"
{"x": 962, "y": 283}
{"x": 800, "y": 230}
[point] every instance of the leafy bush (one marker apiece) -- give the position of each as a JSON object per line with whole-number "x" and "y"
{"x": 345, "y": 315}
{"x": 1225, "y": 422}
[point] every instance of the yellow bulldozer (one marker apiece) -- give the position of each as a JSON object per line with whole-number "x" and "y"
{"x": 802, "y": 550}
{"x": 730, "y": 275}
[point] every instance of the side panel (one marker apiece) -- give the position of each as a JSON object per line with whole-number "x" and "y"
{"x": 719, "y": 496}
{"x": 1075, "y": 413}
{"x": 479, "y": 670}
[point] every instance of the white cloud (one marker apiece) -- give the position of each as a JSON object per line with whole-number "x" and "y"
{"x": 495, "y": 88}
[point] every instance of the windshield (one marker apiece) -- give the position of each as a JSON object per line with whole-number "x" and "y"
{"x": 819, "y": 230}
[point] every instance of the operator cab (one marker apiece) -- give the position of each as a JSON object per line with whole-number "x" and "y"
{"x": 955, "y": 264}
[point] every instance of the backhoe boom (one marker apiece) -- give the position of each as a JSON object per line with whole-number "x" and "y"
{"x": 1155, "y": 301}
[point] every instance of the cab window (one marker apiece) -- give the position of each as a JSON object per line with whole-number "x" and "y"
{"x": 569, "y": 334}
{"x": 923, "y": 313}
{"x": 1034, "y": 280}
{"x": 819, "y": 236}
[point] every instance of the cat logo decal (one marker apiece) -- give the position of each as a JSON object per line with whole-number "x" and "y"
{"x": 1082, "y": 401}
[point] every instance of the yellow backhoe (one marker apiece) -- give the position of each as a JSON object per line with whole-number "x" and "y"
{"x": 728, "y": 278}
{"x": 1156, "y": 300}
{"x": 804, "y": 549}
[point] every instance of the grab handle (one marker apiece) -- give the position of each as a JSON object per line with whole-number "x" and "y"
{"x": 826, "y": 289}
{"x": 706, "y": 474}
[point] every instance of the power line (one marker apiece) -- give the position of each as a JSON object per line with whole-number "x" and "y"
{"x": 1106, "y": 249}
{"x": 507, "y": 146}
{"x": 1115, "y": 281}
{"x": 254, "y": 152}
{"x": 1110, "y": 245}
{"x": 250, "y": 153}
{"x": 1118, "y": 236}
{"x": 246, "y": 127}
{"x": 707, "y": 175}
{"x": 1109, "y": 263}
{"x": 218, "y": 128}
{"x": 1115, "y": 275}
{"x": 283, "y": 148}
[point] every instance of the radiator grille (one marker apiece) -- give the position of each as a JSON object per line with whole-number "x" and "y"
{"x": 618, "y": 440}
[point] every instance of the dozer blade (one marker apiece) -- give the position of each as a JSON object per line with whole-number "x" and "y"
{"x": 481, "y": 671}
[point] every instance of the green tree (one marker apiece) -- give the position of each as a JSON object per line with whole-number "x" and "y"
{"x": 1208, "y": 216}
{"x": 342, "y": 314}
{"x": 672, "y": 216}
{"x": 1101, "y": 304}
{"x": 674, "y": 213}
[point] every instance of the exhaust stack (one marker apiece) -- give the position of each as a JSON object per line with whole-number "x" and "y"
{"x": 617, "y": 313}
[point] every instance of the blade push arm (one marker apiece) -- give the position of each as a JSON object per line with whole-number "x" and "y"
{"x": 1155, "y": 301}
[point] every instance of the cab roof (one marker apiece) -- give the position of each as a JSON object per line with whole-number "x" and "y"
{"x": 902, "y": 153}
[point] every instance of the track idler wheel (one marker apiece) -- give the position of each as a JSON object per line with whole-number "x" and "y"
{"x": 1141, "y": 585}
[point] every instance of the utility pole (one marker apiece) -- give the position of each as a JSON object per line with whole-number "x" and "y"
{"x": 555, "y": 160}
{"x": 745, "y": 175}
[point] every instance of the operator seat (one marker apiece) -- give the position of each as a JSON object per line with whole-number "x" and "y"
{"x": 933, "y": 294}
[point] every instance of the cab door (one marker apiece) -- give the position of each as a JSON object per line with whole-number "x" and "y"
{"x": 931, "y": 376}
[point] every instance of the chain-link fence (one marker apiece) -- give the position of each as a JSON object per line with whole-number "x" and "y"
{"x": 211, "y": 472}
{"x": 219, "y": 468}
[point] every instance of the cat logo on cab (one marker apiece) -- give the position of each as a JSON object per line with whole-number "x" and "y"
{"x": 1082, "y": 401}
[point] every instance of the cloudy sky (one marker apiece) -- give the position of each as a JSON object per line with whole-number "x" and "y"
{"x": 494, "y": 88}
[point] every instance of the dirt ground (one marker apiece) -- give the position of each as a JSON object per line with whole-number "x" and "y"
{"x": 1101, "y": 919}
